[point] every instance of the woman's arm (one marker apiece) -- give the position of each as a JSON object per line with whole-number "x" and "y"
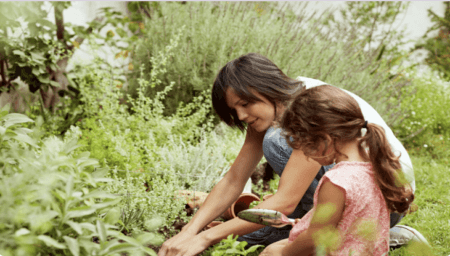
{"x": 187, "y": 242}
{"x": 327, "y": 214}
{"x": 295, "y": 180}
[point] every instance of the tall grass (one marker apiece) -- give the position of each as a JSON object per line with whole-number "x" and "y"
{"x": 217, "y": 32}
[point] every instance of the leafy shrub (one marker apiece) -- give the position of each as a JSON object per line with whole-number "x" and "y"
{"x": 221, "y": 31}
{"x": 150, "y": 155}
{"x": 53, "y": 201}
{"x": 426, "y": 128}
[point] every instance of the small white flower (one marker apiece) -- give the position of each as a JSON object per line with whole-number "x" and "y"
{"x": 425, "y": 145}
{"x": 413, "y": 113}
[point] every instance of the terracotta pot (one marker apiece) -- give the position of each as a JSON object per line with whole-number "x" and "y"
{"x": 242, "y": 203}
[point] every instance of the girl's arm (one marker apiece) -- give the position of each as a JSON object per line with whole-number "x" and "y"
{"x": 328, "y": 213}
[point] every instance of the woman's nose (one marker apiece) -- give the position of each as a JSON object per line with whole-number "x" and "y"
{"x": 242, "y": 115}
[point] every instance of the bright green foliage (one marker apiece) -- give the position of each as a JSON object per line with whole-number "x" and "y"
{"x": 425, "y": 130}
{"x": 151, "y": 156}
{"x": 433, "y": 199}
{"x": 231, "y": 246}
{"x": 53, "y": 200}
{"x": 438, "y": 46}
{"x": 217, "y": 32}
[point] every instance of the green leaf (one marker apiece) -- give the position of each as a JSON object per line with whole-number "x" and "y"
{"x": 27, "y": 139}
{"x": 121, "y": 248}
{"x": 86, "y": 162}
{"x": 55, "y": 84}
{"x": 51, "y": 242}
{"x": 21, "y": 232}
{"x": 88, "y": 245}
{"x": 154, "y": 223}
{"x": 107, "y": 246}
{"x": 36, "y": 71}
{"x": 99, "y": 194}
{"x": 106, "y": 204}
{"x": 88, "y": 226}
{"x": 150, "y": 238}
{"x": 71, "y": 146}
{"x": 101, "y": 230}
{"x": 75, "y": 226}
{"x": 20, "y": 53}
{"x": 74, "y": 247}
{"x": 14, "y": 118}
{"x": 69, "y": 186}
{"x": 37, "y": 56}
{"x": 44, "y": 79}
{"x": 121, "y": 32}
{"x": 2, "y": 130}
{"x": 112, "y": 216}
{"x": 80, "y": 212}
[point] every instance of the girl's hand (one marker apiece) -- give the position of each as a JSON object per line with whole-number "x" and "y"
{"x": 275, "y": 249}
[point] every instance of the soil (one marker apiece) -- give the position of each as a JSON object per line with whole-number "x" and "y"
{"x": 262, "y": 172}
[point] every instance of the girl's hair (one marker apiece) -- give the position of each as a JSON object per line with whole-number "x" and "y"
{"x": 324, "y": 112}
{"x": 251, "y": 71}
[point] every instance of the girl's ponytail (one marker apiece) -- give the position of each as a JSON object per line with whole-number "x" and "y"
{"x": 387, "y": 169}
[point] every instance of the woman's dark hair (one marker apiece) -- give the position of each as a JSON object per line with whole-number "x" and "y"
{"x": 251, "y": 71}
{"x": 328, "y": 112}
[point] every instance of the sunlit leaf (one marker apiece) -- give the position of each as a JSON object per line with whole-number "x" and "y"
{"x": 74, "y": 247}
{"x": 21, "y": 232}
{"x": 75, "y": 226}
{"x": 101, "y": 230}
{"x": 15, "y": 118}
{"x": 51, "y": 242}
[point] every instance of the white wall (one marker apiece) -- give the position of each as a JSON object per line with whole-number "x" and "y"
{"x": 415, "y": 20}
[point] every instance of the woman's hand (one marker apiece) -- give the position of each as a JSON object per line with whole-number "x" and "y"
{"x": 184, "y": 243}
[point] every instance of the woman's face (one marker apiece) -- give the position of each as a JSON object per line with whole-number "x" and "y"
{"x": 259, "y": 115}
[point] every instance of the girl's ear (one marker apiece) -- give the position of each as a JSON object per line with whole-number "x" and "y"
{"x": 329, "y": 145}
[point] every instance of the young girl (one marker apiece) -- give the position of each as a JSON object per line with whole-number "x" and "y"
{"x": 353, "y": 200}
{"x": 250, "y": 92}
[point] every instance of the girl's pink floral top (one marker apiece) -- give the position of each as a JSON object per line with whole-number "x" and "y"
{"x": 364, "y": 227}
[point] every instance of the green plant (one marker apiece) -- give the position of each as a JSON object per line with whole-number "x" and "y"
{"x": 53, "y": 200}
{"x": 230, "y": 246}
{"x": 423, "y": 130}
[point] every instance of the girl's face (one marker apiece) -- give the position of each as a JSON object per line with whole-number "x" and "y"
{"x": 259, "y": 115}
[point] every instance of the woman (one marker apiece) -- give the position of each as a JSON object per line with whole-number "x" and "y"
{"x": 250, "y": 92}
